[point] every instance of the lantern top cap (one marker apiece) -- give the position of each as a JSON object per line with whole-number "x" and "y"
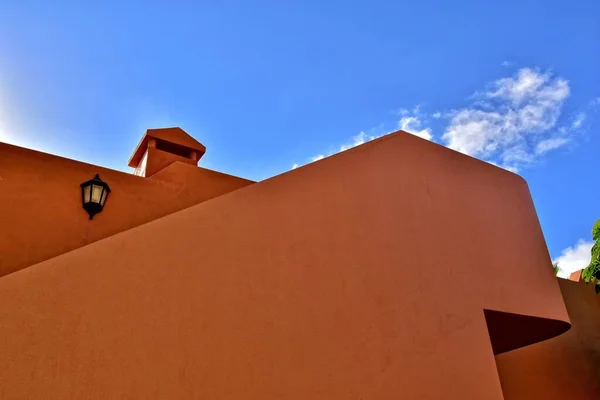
{"x": 96, "y": 181}
{"x": 174, "y": 135}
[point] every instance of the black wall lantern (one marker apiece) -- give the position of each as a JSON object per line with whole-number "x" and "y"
{"x": 93, "y": 194}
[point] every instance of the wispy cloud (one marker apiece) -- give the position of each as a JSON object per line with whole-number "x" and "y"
{"x": 550, "y": 144}
{"x": 512, "y": 121}
{"x": 413, "y": 125}
{"x": 357, "y": 140}
{"x": 411, "y": 121}
{"x": 578, "y": 121}
{"x": 506, "y": 64}
{"x": 574, "y": 258}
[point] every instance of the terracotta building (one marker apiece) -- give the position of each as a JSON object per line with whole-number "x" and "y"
{"x": 398, "y": 269}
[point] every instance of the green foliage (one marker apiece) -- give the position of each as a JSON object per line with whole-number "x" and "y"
{"x": 591, "y": 273}
{"x": 556, "y": 268}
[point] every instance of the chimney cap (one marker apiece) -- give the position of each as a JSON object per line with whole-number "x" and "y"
{"x": 174, "y": 135}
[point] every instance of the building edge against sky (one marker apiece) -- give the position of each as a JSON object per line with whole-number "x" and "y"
{"x": 42, "y": 193}
{"x": 362, "y": 274}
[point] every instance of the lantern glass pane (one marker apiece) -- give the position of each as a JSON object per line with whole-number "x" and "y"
{"x": 103, "y": 198}
{"x": 86, "y": 193}
{"x": 96, "y": 193}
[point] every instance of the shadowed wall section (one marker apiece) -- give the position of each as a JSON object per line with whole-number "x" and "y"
{"x": 565, "y": 367}
{"x": 364, "y": 275}
{"x": 509, "y": 331}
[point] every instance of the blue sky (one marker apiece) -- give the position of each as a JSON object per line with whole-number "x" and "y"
{"x": 267, "y": 85}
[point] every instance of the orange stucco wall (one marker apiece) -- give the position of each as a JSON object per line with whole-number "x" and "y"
{"x": 361, "y": 276}
{"x": 565, "y": 367}
{"x": 40, "y": 202}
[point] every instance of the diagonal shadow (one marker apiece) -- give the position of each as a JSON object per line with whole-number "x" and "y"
{"x": 510, "y": 331}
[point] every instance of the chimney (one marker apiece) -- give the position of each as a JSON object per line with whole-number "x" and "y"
{"x": 576, "y": 276}
{"x": 160, "y": 148}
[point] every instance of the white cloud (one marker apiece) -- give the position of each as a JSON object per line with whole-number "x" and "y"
{"x": 413, "y": 125}
{"x": 506, "y": 63}
{"x": 574, "y": 258}
{"x": 550, "y": 144}
{"x": 411, "y": 121}
{"x": 509, "y": 121}
{"x": 529, "y": 84}
{"x": 357, "y": 140}
{"x": 578, "y": 120}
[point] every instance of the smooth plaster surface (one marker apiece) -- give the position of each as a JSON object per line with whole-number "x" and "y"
{"x": 361, "y": 276}
{"x": 40, "y": 201}
{"x": 566, "y": 367}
